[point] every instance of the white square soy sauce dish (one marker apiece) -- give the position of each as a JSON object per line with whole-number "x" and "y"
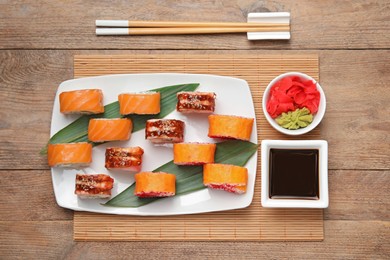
{"x": 288, "y": 201}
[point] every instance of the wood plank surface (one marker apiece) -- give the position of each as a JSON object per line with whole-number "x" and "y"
{"x": 38, "y": 40}
{"x": 355, "y": 124}
{"x": 52, "y": 239}
{"x": 315, "y": 24}
{"x": 351, "y": 196}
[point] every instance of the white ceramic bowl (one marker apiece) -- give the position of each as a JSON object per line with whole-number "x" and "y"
{"x": 322, "y": 146}
{"x": 317, "y": 117}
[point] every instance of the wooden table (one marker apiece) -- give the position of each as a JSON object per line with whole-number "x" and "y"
{"x": 352, "y": 38}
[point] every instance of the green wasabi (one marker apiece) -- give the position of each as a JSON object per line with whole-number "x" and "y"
{"x": 295, "y": 119}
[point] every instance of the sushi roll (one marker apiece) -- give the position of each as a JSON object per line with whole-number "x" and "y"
{"x": 233, "y": 127}
{"x": 154, "y": 184}
{"x": 195, "y": 102}
{"x": 73, "y": 155}
{"x": 193, "y": 153}
{"x": 104, "y": 129}
{"x": 164, "y": 130}
{"x": 124, "y": 158}
{"x": 225, "y": 177}
{"x": 93, "y": 186}
{"x": 147, "y": 103}
{"x": 86, "y": 101}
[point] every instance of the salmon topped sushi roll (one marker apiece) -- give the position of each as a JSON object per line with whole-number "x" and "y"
{"x": 154, "y": 184}
{"x": 195, "y": 102}
{"x": 124, "y": 158}
{"x": 225, "y": 177}
{"x": 164, "y": 131}
{"x": 147, "y": 103}
{"x": 233, "y": 127}
{"x": 113, "y": 129}
{"x": 86, "y": 101}
{"x": 73, "y": 155}
{"x": 93, "y": 186}
{"x": 193, "y": 153}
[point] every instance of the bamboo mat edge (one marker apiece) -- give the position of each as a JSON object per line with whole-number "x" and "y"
{"x": 100, "y": 227}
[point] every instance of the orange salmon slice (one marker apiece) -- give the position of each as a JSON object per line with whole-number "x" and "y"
{"x": 103, "y": 129}
{"x": 86, "y": 101}
{"x": 147, "y": 103}
{"x": 69, "y": 155}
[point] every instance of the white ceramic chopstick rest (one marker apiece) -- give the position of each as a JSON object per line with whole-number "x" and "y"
{"x": 270, "y": 17}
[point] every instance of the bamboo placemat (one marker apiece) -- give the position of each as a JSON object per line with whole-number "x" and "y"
{"x": 253, "y": 223}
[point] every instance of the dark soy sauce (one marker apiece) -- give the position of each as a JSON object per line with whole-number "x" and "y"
{"x": 293, "y": 174}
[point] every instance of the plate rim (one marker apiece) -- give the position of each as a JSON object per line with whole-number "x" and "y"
{"x": 245, "y": 204}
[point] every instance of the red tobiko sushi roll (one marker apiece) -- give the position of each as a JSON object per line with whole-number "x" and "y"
{"x": 232, "y": 127}
{"x": 154, "y": 184}
{"x": 193, "y": 153}
{"x": 230, "y": 178}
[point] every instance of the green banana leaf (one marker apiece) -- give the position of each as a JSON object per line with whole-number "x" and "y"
{"x": 77, "y": 131}
{"x": 189, "y": 178}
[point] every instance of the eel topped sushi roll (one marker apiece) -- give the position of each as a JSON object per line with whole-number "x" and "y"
{"x": 85, "y": 101}
{"x": 91, "y": 186}
{"x": 154, "y": 184}
{"x": 195, "y": 102}
{"x": 230, "y": 178}
{"x": 113, "y": 129}
{"x": 124, "y": 158}
{"x": 71, "y": 155}
{"x": 146, "y": 103}
{"x": 193, "y": 153}
{"x": 232, "y": 127}
{"x": 164, "y": 131}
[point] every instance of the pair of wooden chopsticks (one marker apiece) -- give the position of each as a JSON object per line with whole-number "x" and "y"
{"x": 124, "y": 27}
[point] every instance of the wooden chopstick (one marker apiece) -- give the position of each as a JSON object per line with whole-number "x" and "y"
{"x": 165, "y": 24}
{"x": 187, "y": 30}
{"x": 197, "y": 24}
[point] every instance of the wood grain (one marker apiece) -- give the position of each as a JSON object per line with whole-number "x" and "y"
{"x": 355, "y": 123}
{"x": 352, "y": 196}
{"x": 29, "y": 196}
{"x": 314, "y": 24}
{"x": 24, "y": 81}
{"x": 358, "y": 115}
{"x": 52, "y": 239}
{"x": 358, "y": 195}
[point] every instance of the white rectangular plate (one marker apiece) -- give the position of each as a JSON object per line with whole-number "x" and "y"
{"x": 233, "y": 98}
